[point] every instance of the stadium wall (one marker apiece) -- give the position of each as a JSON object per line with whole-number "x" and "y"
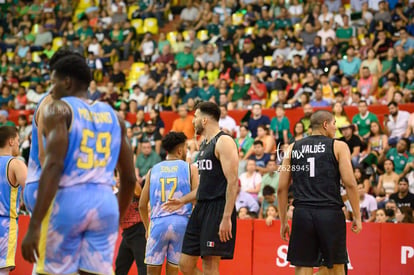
{"x": 379, "y": 249}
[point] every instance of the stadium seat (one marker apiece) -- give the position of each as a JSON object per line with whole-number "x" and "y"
{"x": 131, "y": 10}
{"x": 35, "y": 28}
{"x": 237, "y": 19}
{"x": 272, "y": 99}
{"x": 268, "y": 60}
{"x": 25, "y": 84}
{"x": 36, "y": 56}
{"x": 151, "y": 25}
{"x": 10, "y": 55}
{"x": 186, "y": 35}
{"x": 84, "y": 4}
{"x": 247, "y": 79}
{"x": 138, "y": 24}
{"x": 172, "y": 37}
{"x": 250, "y": 30}
{"x": 77, "y": 15}
{"x": 136, "y": 70}
{"x": 130, "y": 83}
{"x": 202, "y": 35}
{"x": 57, "y": 43}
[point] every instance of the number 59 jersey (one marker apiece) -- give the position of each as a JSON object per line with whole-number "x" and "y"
{"x": 169, "y": 179}
{"x": 94, "y": 144}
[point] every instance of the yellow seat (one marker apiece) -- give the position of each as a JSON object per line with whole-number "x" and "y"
{"x": 151, "y": 25}
{"x": 247, "y": 79}
{"x": 25, "y": 84}
{"x": 35, "y": 28}
{"x": 202, "y": 35}
{"x": 84, "y": 4}
{"x": 186, "y": 36}
{"x": 36, "y": 56}
{"x": 131, "y": 10}
{"x": 237, "y": 19}
{"x": 130, "y": 83}
{"x": 10, "y": 55}
{"x": 272, "y": 99}
{"x": 172, "y": 37}
{"x": 137, "y": 69}
{"x": 57, "y": 43}
{"x": 138, "y": 24}
{"x": 135, "y": 75}
{"x": 76, "y": 15}
{"x": 268, "y": 60}
{"x": 249, "y": 30}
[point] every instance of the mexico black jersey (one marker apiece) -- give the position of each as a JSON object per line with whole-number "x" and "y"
{"x": 213, "y": 183}
{"x": 315, "y": 173}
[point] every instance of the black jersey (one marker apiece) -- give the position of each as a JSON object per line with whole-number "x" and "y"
{"x": 213, "y": 183}
{"x": 315, "y": 173}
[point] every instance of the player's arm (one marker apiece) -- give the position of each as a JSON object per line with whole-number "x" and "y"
{"x": 18, "y": 173}
{"x": 345, "y": 168}
{"x": 40, "y": 130}
{"x": 227, "y": 153}
{"x": 126, "y": 172}
{"x": 285, "y": 179}
{"x": 56, "y": 120}
{"x": 143, "y": 201}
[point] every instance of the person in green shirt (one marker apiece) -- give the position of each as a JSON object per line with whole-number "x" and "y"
{"x": 239, "y": 90}
{"x": 85, "y": 31}
{"x": 145, "y": 160}
{"x": 214, "y": 27}
{"x": 402, "y": 61}
{"x": 363, "y": 120}
{"x": 344, "y": 33}
{"x": 280, "y": 126}
{"x": 207, "y": 91}
{"x": 185, "y": 60}
{"x": 244, "y": 141}
{"x": 271, "y": 178}
{"x": 399, "y": 155}
{"x": 3, "y": 119}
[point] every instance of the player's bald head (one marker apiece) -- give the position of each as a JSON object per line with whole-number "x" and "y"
{"x": 319, "y": 117}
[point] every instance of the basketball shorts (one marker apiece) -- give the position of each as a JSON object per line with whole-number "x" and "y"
{"x": 165, "y": 240}
{"x": 30, "y": 195}
{"x": 79, "y": 231}
{"x": 318, "y": 237}
{"x": 202, "y": 233}
{"x": 8, "y": 242}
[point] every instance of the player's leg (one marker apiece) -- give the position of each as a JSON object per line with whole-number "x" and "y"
{"x": 138, "y": 244}
{"x": 188, "y": 264}
{"x": 211, "y": 265}
{"x": 124, "y": 259}
{"x": 175, "y": 232}
{"x": 172, "y": 269}
{"x": 4, "y": 271}
{"x": 301, "y": 270}
{"x": 154, "y": 269}
{"x": 101, "y": 230}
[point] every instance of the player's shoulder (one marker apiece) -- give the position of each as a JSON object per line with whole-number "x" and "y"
{"x": 17, "y": 164}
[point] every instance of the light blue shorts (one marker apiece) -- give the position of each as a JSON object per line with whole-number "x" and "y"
{"x": 165, "y": 239}
{"x": 8, "y": 241}
{"x": 79, "y": 231}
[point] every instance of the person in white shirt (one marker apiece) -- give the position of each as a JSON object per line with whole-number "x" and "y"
{"x": 138, "y": 95}
{"x": 325, "y": 15}
{"x": 367, "y": 204}
{"x": 226, "y": 122}
{"x": 396, "y": 123}
{"x": 326, "y": 32}
{"x": 246, "y": 200}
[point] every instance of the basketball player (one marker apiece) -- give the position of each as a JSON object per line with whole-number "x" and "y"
{"x": 172, "y": 178}
{"x": 36, "y": 155}
{"x": 13, "y": 176}
{"x": 211, "y": 230}
{"x": 316, "y": 165}
{"x": 76, "y": 208}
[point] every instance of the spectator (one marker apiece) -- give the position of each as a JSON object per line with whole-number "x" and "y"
{"x": 403, "y": 197}
{"x": 395, "y": 124}
{"x": 308, "y": 111}
{"x": 117, "y": 77}
{"x": 380, "y": 216}
{"x": 402, "y": 62}
{"x": 405, "y": 215}
{"x": 350, "y": 66}
{"x": 399, "y": 155}
{"x": 353, "y": 142}
{"x": 110, "y": 95}
{"x": 250, "y": 180}
{"x": 20, "y": 101}
{"x": 298, "y": 132}
{"x": 363, "y": 120}
{"x": 147, "y": 49}
{"x": 326, "y": 31}
{"x": 237, "y": 93}
{"x": 368, "y": 85}
{"x": 280, "y": 126}
{"x": 152, "y": 136}
{"x": 257, "y": 91}
{"x": 389, "y": 180}
{"x": 146, "y": 159}
{"x": 340, "y": 117}
{"x": 42, "y": 38}
{"x": 258, "y": 154}
{"x": 266, "y": 138}
{"x": 391, "y": 210}
{"x": 244, "y": 141}
{"x": 257, "y": 119}
{"x": 269, "y": 198}
{"x": 367, "y": 204}
{"x": 318, "y": 100}
{"x": 206, "y": 91}
{"x": 188, "y": 16}
{"x": 93, "y": 92}
{"x": 246, "y": 200}
{"x": 270, "y": 178}
{"x": 185, "y": 59}
{"x": 376, "y": 144}
{"x": 184, "y": 123}
{"x": 155, "y": 116}
{"x": 226, "y": 122}
{"x": 154, "y": 91}
{"x": 4, "y": 115}
{"x": 138, "y": 95}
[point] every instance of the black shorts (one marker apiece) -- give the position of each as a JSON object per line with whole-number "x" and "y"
{"x": 201, "y": 236}
{"x": 318, "y": 237}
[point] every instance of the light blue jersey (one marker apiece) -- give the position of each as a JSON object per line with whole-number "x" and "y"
{"x": 80, "y": 230}
{"x": 169, "y": 179}
{"x": 94, "y": 144}
{"x": 9, "y": 207}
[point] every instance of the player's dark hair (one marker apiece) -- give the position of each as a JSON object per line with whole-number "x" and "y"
{"x": 74, "y": 67}
{"x": 268, "y": 190}
{"x": 258, "y": 142}
{"x": 172, "y": 140}
{"x": 319, "y": 117}
{"x": 6, "y": 133}
{"x": 59, "y": 55}
{"x": 209, "y": 108}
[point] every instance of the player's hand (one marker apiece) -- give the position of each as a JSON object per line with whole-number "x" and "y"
{"x": 30, "y": 245}
{"x": 225, "y": 230}
{"x": 356, "y": 226}
{"x": 172, "y": 205}
{"x": 284, "y": 230}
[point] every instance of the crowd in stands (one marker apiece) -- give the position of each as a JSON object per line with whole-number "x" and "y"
{"x": 245, "y": 54}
